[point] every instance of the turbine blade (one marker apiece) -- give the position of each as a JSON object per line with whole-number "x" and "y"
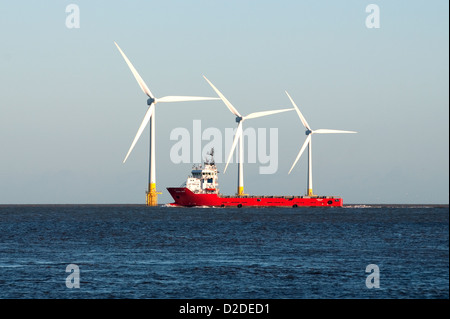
{"x": 300, "y": 115}
{"x": 264, "y": 113}
{"x": 147, "y": 117}
{"x": 308, "y": 139}
{"x": 326, "y": 131}
{"x": 236, "y": 139}
{"x": 185, "y": 98}
{"x": 224, "y": 99}
{"x": 138, "y": 78}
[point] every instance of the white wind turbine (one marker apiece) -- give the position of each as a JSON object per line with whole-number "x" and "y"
{"x": 238, "y": 136}
{"x": 309, "y": 132}
{"x": 150, "y": 114}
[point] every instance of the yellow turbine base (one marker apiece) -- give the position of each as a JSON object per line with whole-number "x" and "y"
{"x": 241, "y": 191}
{"x": 310, "y": 192}
{"x": 152, "y": 195}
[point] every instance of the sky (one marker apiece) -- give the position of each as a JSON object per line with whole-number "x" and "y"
{"x": 70, "y": 107}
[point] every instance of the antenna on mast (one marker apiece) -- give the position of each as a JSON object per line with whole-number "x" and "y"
{"x": 211, "y": 154}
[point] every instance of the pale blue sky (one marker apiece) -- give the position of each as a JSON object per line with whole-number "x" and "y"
{"x": 69, "y": 106}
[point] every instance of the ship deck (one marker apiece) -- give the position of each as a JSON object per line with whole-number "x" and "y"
{"x": 273, "y": 196}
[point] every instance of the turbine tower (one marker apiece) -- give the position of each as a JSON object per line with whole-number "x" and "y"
{"x": 238, "y": 136}
{"x": 152, "y": 194}
{"x": 309, "y": 132}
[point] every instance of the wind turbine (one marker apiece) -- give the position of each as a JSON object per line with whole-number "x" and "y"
{"x": 238, "y": 136}
{"x": 309, "y": 132}
{"x": 152, "y": 194}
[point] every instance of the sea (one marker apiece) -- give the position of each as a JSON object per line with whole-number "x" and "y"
{"x": 139, "y": 252}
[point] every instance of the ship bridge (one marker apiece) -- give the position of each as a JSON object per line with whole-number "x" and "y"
{"x": 204, "y": 178}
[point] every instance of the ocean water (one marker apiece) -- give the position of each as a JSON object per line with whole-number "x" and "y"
{"x": 136, "y": 252}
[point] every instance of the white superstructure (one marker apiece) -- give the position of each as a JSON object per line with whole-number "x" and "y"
{"x": 204, "y": 178}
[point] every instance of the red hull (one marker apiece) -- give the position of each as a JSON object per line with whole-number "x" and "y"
{"x": 184, "y": 197}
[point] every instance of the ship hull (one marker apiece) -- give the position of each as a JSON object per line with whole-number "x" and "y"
{"x": 184, "y": 197}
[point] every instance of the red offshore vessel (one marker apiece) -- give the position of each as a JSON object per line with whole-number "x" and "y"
{"x": 202, "y": 189}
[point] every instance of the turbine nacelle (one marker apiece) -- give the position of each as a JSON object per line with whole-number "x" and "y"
{"x": 150, "y": 101}
{"x": 238, "y": 119}
{"x": 307, "y": 132}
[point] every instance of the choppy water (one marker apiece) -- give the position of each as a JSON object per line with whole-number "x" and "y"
{"x": 133, "y": 251}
